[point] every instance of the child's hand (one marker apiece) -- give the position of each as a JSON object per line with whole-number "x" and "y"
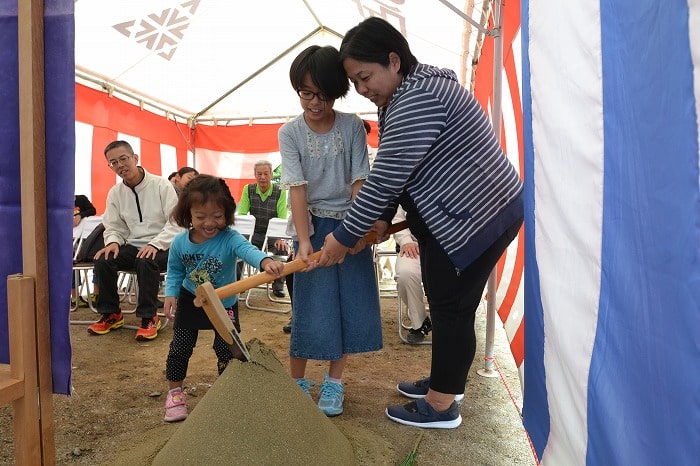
{"x": 169, "y": 307}
{"x": 273, "y": 267}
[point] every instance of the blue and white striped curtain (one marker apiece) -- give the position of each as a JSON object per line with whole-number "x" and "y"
{"x": 612, "y": 273}
{"x": 60, "y": 154}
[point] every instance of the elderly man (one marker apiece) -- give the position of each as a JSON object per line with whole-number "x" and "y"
{"x": 137, "y": 237}
{"x": 265, "y": 200}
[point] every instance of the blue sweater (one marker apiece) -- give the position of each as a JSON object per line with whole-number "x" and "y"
{"x": 437, "y": 144}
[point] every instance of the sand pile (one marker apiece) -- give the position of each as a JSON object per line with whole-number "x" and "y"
{"x": 256, "y": 414}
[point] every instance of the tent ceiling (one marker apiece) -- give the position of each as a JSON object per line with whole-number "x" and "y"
{"x": 230, "y": 59}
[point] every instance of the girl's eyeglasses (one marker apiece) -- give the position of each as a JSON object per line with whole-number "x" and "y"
{"x": 308, "y": 95}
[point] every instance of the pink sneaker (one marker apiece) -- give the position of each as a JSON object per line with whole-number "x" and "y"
{"x": 175, "y": 407}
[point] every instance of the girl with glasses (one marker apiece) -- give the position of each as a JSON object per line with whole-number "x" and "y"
{"x": 324, "y": 163}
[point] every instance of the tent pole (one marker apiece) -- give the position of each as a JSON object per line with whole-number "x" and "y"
{"x": 466, "y": 17}
{"x": 318, "y": 30}
{"x": 496, "y": 114}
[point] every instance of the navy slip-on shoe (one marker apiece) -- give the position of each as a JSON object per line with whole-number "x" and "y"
{"x": 420, "y": 414}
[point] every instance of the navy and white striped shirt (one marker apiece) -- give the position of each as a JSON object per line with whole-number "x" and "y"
{"x": 437, "y": 145}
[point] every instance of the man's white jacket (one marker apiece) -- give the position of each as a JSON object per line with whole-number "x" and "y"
{"x": 141, "y": 215}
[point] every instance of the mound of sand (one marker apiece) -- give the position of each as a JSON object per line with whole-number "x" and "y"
{"x": 256, "y": 414}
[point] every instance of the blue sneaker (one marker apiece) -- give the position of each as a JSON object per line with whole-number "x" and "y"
{"x": 420, "y": 414}
{"x": 331, "y": 398}
{"x": 306, "y": 385}
{"x": 419, "y": 389}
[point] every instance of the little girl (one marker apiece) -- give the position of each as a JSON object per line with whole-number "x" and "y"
{"x": 207, "y": 251}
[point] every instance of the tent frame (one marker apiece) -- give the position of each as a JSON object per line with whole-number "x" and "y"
{"x": 29, "y": 373}
{"x": 496, "y": 32}
{"x": 489, "y": 369}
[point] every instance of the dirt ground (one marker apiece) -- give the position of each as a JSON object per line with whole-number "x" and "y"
{"x": 116, "y": 413}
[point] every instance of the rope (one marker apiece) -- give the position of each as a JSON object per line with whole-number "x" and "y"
{"x": 515, "y": 403}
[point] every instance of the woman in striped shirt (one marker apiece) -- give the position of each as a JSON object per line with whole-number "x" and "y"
{"x": 439, "y": 158}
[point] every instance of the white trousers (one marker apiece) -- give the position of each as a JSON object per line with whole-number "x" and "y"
{"x": 410, "y": 287}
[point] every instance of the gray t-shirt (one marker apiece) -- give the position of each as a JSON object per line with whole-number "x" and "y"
{"x": 327, "y": 163}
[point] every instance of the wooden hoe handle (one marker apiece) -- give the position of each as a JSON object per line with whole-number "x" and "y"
{"x": 290, "y": 267}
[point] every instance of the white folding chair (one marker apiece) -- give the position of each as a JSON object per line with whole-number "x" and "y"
{"x": 385, "y": 266}
{"x": 245, "y": 225}
{"x": 276, "y": 228}
{"x": 83, "y": 230}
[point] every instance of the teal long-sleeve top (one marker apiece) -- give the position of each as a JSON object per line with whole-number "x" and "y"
{"x": 191, "y": 264}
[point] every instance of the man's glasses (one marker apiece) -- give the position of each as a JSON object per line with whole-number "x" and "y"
{"x": 308, "y": 95}
{"x": 121, "y": 160}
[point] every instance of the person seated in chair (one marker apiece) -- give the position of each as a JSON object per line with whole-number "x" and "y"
{"x": 83, "y": 208}
{"x": 180, "y": 178}
{"x": 265, "y": 200}
{"x": 409, "y": 282}
{"x": 137, "y": 236}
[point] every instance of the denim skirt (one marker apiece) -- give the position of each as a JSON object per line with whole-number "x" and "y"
{"x": 335, "y": 309}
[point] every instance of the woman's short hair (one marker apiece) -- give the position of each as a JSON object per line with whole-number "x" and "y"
{"x": 372, "y": 40}
{"x": 184, "y": 170}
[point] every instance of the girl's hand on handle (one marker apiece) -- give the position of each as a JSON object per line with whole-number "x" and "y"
{"x": 273, "y": 267}
{"x": 305, "y": 250}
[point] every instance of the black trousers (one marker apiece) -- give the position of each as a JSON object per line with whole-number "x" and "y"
{"x": 181, "y": 348}
{"x": 147, "y": 276}
{"x": 453, "y": 297}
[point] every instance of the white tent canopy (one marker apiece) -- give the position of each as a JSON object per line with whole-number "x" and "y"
{"x": 219, "y": 60}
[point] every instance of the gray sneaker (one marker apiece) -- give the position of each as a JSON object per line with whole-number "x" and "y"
{"x": 288, "y": 327}
{"x": 415, "y": 336}
{"x": 331, "y": 398}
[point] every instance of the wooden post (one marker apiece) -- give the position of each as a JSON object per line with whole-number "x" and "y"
{"x": 32, "y": 127}
{"x": 23, "y": 366}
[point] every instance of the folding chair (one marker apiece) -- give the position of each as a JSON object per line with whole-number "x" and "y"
{"x": 276, "y": 228}
{"x": 385, "y": 255}
{"x": 245, "y": 225}
{"x": 385, "y": 265}
{"x": 82, "y": 270}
